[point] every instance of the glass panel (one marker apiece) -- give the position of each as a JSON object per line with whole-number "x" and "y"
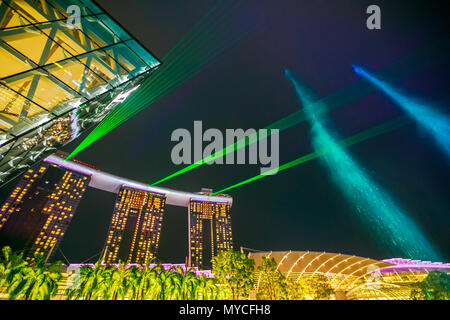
{"x": 18, "y": 114}
{"x": 11, "y": 64}
{"x": 129, "y": 60}
{"x": 142, "y": 53}
{"x": 62, "y": 5}
{"x": 106, "y": 60}
{"x": 92, "y": 6}
{"x": 120, "y": 32}
{"x": 34, "y": 44}
{"x": 68, "y": 106}
{"x": 10, "y": 17}
{"x": 38, "y": 87}
{"x": 4, "y": 148}
{"x": 114, "y": 63}
{"x": 25, "y": 125}
{"x": 99, "y": 32}
{"x": 101, "y": 68}
{"x": 14, "y": 107}
{"x": 72, "y": 40}
{"x": 33, "y": 11}
{"x": 86, "y": 39}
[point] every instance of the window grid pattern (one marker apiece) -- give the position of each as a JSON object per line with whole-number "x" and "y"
{"x": 52, "y": 72}
{"x": 60, "y": 208}
{"x": 148, "y": 210}
{"x": 213, "y": 218}
{"x": 20, "y": 192}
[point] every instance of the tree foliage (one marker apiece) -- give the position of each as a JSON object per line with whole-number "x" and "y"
{"x": 436, "y": 286}
{"x": 28, "y": 281}
{"x": 234, "y": 271}
{"x": 272, "y": 284}
{"x": 233, "y": 279}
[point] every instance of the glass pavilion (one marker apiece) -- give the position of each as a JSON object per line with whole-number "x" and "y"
{"x": 58, "y": 78}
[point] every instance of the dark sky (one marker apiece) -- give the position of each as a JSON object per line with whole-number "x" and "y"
{"x": 298, "y": 209}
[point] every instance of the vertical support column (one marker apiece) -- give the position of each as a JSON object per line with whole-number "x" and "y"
{"x": 189, "y": 235}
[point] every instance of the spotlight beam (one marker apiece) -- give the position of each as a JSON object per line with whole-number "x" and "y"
{"x": 415, "y": 62}
{"x": 437, "y": 124}
{"x": 374, "y": 207}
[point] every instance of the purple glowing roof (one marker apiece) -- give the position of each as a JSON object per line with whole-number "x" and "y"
{"x": 408, "y": 265}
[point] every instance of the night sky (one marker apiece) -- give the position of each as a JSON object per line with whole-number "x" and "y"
{"x": 301, "y": 208}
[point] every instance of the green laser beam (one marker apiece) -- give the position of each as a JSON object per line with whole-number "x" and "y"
{"x": 166, "y": 78}
{"x": 124, "y": 116}
{"x": 191, "y": 33}
{"x": 164, "y": 70}
{"x": 415, "y": 62}
{"x": 183, "y": 79}
{"x": 367, "y": 134}
{"x": 153, "y": 99}
{"x": 210, "y": 30}
{"x": 183, "y": 76}
{"x": 118, "y": 115}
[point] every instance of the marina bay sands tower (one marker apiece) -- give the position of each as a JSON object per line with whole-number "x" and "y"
{"x": 40, "y": 208}
{"x": 209, "y": 231}
{"x": 133, "y": 234}
{"x": 38, "y": 212}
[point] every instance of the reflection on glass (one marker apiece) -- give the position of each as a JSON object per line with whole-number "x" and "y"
{"x": 56, "y": 81}
{"x": 41, "y": 88}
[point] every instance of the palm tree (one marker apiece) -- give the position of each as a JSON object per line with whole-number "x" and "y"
{"x": 206, "y": 288}
{"x": 134, "y": 277}
{"x": 142, "y": 280}
{"x": 162, "y": 283}
{"x": 10, "y": 265}
{"x": 37, "y": 281}
{"x": 118, "y": 282}
{"x": 185, "y": 283}
{"x": 92, "y": 283}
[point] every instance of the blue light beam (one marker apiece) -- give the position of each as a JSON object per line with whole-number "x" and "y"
{"x": 375, "y": 208}
{"x": 437, "y": 124}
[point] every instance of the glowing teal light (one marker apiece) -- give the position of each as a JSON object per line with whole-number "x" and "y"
{"x": 376, "y": 209}
{"x": 437, "y": 124}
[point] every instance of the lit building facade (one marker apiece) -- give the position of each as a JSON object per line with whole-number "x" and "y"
{"x": 40, "y": 208}
{"x": 59, "y": 77}
{"x": 209, "y": 231}
{"x": 135, "y": 228}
